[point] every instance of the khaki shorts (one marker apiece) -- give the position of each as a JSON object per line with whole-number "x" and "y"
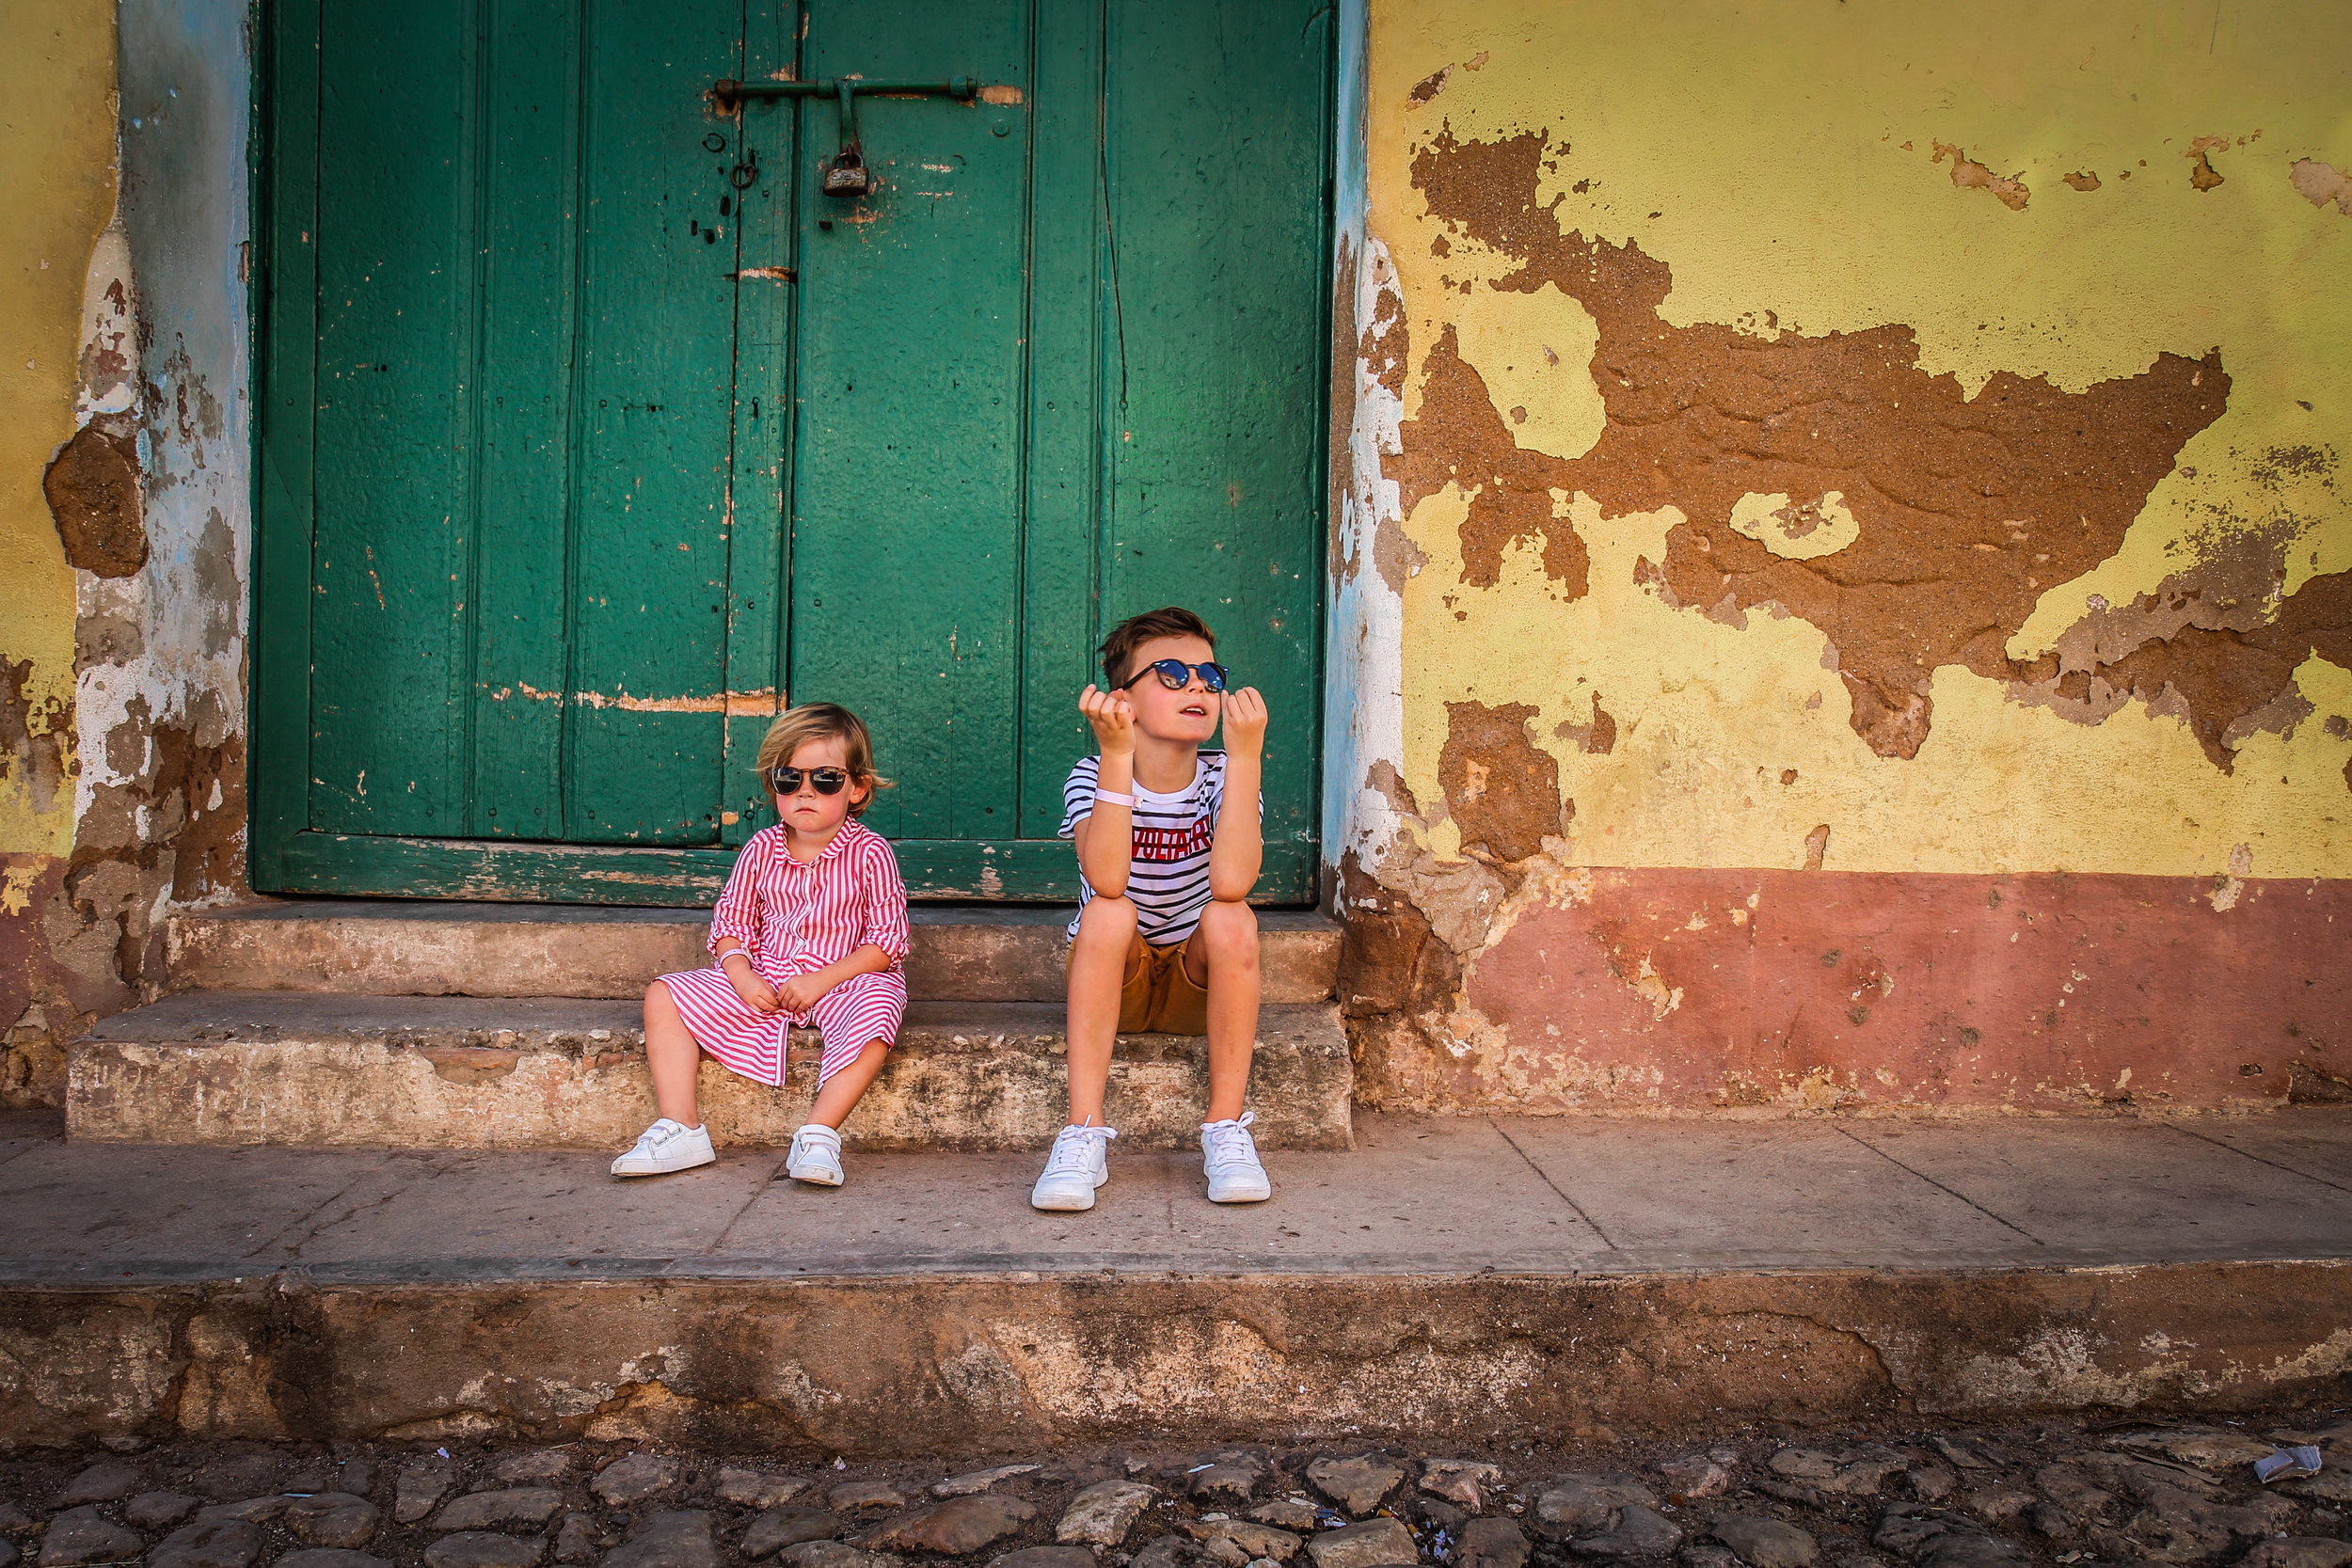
{"x": 1157, "y": 995}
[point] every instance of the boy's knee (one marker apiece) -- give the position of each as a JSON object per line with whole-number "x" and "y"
{"x": 1231, "y": 929}
{"x": 1108, "y": 920}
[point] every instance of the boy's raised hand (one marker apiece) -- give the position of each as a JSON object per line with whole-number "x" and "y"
{"x": 1112, "y": 716}
{"x": 1245, "y": 720}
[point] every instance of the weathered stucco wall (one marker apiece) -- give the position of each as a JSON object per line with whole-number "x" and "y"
{"x": 1851, "y": 497}
{"x": 58, "y": 165}
{"x": 123, "y": 505}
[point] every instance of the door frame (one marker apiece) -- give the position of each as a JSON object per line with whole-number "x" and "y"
{"x": 285, "y": 856}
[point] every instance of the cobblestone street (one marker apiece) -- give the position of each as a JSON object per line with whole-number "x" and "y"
{"x": 1908, "y": 1496}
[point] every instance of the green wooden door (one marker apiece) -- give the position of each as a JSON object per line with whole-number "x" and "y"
{"x": 594, "y": 430}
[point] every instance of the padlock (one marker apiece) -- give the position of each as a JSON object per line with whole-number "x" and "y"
{"x": 847, "y": 175}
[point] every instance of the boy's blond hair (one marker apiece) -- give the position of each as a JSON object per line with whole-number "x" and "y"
{"x": 815, "y": 721}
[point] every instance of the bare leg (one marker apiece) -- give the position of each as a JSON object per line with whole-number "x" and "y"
{"x": 1098, "y": 965}
{"x": 844, "y": 1089}
{"x": 677, "y": 1061}
{"x": 1222, "y": 958}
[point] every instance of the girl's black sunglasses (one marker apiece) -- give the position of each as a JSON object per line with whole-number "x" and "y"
{"x": 1176, "y": 675}
{"x": 825, "y": 781}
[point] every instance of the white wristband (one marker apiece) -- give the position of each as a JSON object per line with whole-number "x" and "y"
{"x": 1112, "y": 798}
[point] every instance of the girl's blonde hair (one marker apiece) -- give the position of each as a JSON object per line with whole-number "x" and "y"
{"x": 816, "y": 721}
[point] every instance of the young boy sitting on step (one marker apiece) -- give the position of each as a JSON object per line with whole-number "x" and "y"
{"x": 1168, "y": 846}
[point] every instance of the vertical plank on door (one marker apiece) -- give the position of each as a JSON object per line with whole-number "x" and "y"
{"x": 1064, "y": 471}
{"x": 648, "y": 572}
{"x": 280, "y": 748}
{"x": 906, "y": 548}
{"x": 530, "y": 201}
{"x": 396, "y": 277}
{"x": 1216, "y": 492}
{"x": 767, "y": 258}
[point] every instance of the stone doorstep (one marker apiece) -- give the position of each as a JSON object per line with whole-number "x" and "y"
{"x": 558, "y": 1072}
{"x": 417, "y": 947}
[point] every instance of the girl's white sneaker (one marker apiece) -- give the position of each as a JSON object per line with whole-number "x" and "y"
{"x": 815, "y": 1156}
{"x": 1230, "y": 1160}
{"x": 665, "y": 1147}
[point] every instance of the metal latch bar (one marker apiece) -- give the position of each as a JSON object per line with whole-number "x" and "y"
{"x": 847, "y": 175}
{"x": 728, "y": 92}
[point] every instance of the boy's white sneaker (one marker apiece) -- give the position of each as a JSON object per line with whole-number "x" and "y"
{"x": 1232, "y": 1162}
{"x": 1080, "y": 1163}
{"x": 815, "y": 1156}
{"x": 665, "y": 1147}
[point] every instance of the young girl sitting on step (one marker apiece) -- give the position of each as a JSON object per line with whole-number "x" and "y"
{"x": 811, "y": 930}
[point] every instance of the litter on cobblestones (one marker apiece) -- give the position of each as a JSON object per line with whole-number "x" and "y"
{"x": 2286, "y": 1464}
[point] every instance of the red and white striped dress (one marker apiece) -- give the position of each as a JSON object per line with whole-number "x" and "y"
{"x": 794, "y": 918}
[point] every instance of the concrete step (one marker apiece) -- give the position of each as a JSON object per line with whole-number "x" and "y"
{"x": 421, "y": 947}
{"x": 327, "y": 1070}
{"x": 1473, "y": 1280}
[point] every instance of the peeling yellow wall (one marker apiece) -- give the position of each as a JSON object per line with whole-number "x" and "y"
{"x": 1815, "y": 168}
{"x": 56, "y": 165}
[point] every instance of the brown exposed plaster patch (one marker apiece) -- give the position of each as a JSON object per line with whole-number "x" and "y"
{"x": 1604, "y": 736}
{"x": 2202, "y": 175}
{"x": 1383, "y": 779}
{"x": 103, "y": 359}
{"x": 2309, "y": 1083}
{"x": 1387, "y": 341}
{"x": 93, "y": 492}
{"x": 2322, "y": 185}
{"x": 1390, "y": 959}
{"x": 35, "y": 1015}
{"x": 2217, "y": 644}
{"x": 1967, "y": 507}
{"x": 1816, "y": 847}
{"x": 1501, "y": 788}
{"x": 1430, "y": 85}
{"x": 1343, "y": 561}
{"x": 2083, "y": 180}
{"x": 1598, "y": 739}
{"x": 2009, "y": 190}
{"x": 2235, "y": 683}
{"x": 100, "y": 638}
{"x": 1384, "y": 349}
{"x": 35, "y": 738}
{"x": 171, "y": 832}
{"x": 217, "y": 586}
{"x": 1394, "y": 555}
{"x": 1459, "y": 439}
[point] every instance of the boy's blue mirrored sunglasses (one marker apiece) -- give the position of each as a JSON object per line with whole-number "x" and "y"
{"x": 1176, "y": 675}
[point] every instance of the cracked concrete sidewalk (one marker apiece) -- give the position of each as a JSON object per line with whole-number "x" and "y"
{"x": 1418, "y": 1196}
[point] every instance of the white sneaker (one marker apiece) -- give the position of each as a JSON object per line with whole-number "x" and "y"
{"x": 1080, "y": 1163}
{"x": 1232, "y": 1163}
{"x": 665, "y": 1147}
{"x": 815, "y": 1156}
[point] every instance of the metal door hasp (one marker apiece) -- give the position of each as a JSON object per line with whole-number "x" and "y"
{"x": 846, "y": 174}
